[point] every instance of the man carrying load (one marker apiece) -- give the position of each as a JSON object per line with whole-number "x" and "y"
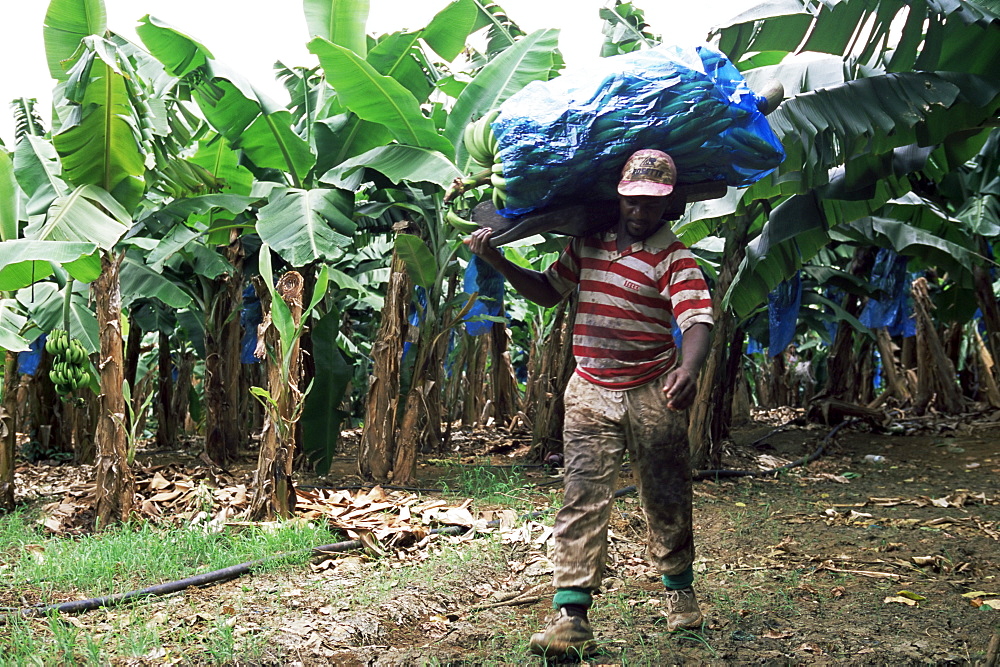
{"x": 630, "y": 391}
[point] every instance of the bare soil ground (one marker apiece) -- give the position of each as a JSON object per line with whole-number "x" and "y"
{"x": 841, "y": 561}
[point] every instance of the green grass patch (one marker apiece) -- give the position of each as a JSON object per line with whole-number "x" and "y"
{"x": 137, "y": 555}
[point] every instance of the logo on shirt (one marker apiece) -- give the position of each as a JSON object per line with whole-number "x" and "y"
{"x": 635, "y": 287}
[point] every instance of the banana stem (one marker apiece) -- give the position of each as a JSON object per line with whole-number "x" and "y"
{"x": 458, "y": 186}
{"x": 67, "y": 300}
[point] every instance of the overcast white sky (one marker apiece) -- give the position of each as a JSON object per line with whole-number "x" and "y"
{"x": 250, "y": 35}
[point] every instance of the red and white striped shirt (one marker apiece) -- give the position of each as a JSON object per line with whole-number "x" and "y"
{"x": 623, "y": 333}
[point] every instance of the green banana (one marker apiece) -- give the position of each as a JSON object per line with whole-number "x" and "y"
{"x": 475, "y": 151}
{"x": 460, "y": 223}
{"x": 499, "y": 198}
{"x": 498, "y": 182}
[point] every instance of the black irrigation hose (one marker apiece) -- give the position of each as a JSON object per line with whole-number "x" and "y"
{"x": 233, "y": 571}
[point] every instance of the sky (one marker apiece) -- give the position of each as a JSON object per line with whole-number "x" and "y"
{"x": 250, "y": 35}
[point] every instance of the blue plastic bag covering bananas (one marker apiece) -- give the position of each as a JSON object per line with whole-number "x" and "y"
{"x": 564, "y": 140}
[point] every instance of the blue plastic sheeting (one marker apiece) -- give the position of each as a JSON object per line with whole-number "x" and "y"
{"x": 250, "y": 316}
{"x": 416, "y": 314}
{"x": 567, "y": 139}
{"x": 488, "y": 282}
{"x": 783, "y": 304}
{"x": 892, "y": 306}
{"x": 28, "y": 361}
{"x": 753, "y": 347}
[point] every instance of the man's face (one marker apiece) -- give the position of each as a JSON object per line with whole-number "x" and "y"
{"x": 642, "y": 215}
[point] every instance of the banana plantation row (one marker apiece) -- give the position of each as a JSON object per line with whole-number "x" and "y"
{"x": 242, "y": 270}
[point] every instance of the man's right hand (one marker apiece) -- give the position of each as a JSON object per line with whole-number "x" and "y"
{"x": 479, "y": 243}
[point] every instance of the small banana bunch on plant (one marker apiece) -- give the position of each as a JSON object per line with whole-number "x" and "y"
{"x": 69, "y": 362}
{"x": 483, "y": 149}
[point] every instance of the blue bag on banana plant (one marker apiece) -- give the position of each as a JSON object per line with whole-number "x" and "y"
{"x": 565, "y": 140}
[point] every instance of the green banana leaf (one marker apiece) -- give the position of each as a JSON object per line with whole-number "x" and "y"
{"x": 67, "y": 22}
{"x": 103, "y": 148}
{"x": 248, "y": 119}
{"x": 223, "y": 162}
{"x": 396, "y": 56}
{"x": 252, "y": 122}
{"x": 450, "y": 28}
{"x": 959, "y": 36}
{"x": 24, "y": 262}
{"x": 420, "y": 263}
{"x": 179, "y": 53}
{"x": 910, "y": 240}
{"x": 44, "y": 304}
{"x": 139, "y": 280}
{"x": 397, "y": 163}
{"x": 304, "y": 226}
{"x": 377, "y": 98}
{"x": 321, "y": 416}
{"x": 10, "y": 196}
{"x": 529, "y": 59}
{"x": 11, "y": 324}
{"x": 86, "y": 215}
{"x": 340, "y": 22}
{"x": 38, "y": 172}
{"x": 824, "y": 128}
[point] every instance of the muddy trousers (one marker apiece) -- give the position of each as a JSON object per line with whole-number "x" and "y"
{"x": 600, "y": 425}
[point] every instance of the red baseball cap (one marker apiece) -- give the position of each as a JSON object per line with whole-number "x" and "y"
{"x": 648, "y": 172}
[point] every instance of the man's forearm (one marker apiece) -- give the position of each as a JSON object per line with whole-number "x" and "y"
{"x": 694, "y": 347}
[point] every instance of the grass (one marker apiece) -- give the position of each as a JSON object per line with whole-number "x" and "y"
{"x": 137, "y": 555}
{"x": 37, "y": 567}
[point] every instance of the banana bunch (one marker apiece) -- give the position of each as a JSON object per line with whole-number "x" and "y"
{"x": 69, "y": 362}
{"x": 180, "y": 178}
{"x": 499, "y": 184}
{"x": 479, "y": 139}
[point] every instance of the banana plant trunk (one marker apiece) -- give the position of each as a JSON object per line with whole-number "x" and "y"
{"x": 274, "y": 493}
{"x": 503, "y": 381}
{"x": 550, "y": 366}
{"x": 115, "y": 485}
{"x": 936, "y": 383}
{"x": 842, "y": 365}
{"x": 710, "y": 416}
{"x": 377, "y": 451}
{"x": 166, "y": 420}
{"x": 8, "y": 432}
{"x": 223, "y": 432}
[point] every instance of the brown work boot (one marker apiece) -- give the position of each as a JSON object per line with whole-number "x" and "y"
{"x": 682, "y": 609}
{"x": 564, "y": 635}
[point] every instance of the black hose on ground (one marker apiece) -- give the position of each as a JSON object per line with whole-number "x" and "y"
{"x": 234, "y": 571}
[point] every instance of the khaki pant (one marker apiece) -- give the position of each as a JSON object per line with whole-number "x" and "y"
{"x": 600, "y": 425}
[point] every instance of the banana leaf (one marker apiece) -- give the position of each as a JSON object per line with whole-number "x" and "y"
{"x": 67, "y": 22}
{"x": 10, "y": 197}
{"x": 340, "y": 22}
{"x": 321, "y": 416}
{"x": 86, "y": 215}
{"x": 24, "y": 262}
{"x": 304, "y": 226}
{"x": 139, "y": 280}
{"x": 377, "y": 98}
{"x": 102, "y": 148}
{"x": 11, "y": 325}
{"x": 450, "y": 28}
{"x": 420, "y": 263}
{"x": 38, "y": 172}
{"x": 397, "y": 163}
{"x": 179, "y": 53}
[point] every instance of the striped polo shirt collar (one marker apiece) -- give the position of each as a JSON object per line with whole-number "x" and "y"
{"x": 661, "y": 239}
